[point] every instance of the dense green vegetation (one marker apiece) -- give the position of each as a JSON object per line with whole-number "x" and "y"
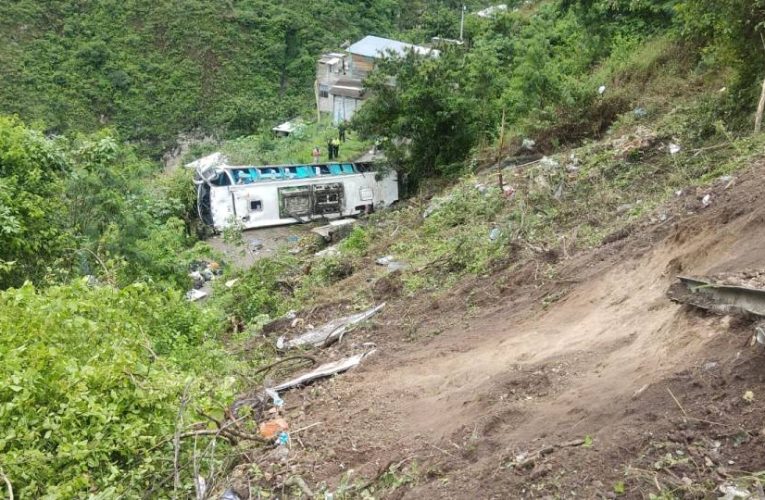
{"x": 92, "y": 380}
{"x": 155, "y": 69}
{"x": 541, "y": 67}
{"x": 95, "y": 368}
{"x": 85, "y": 206}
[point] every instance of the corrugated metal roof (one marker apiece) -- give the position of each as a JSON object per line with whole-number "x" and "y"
{"x": 375, "y": 46}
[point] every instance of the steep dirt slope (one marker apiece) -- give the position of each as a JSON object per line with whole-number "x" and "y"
{"x": 616, "y": 387}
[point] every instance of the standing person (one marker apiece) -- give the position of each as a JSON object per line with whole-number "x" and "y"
{"x": 341, "y": 130}
{"x": 316, "y": 154}
{"x": 330, "y": 150}
{"x": 336, "y": 146}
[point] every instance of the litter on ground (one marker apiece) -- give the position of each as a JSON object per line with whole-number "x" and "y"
{"x": 325, "y": 370}
{"x": 329, "y": 332}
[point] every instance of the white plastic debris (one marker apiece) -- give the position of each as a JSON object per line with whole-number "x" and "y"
{"x": 232, "y": 283}
{"x": 384, "y": 261}
{"x": 674, "y": 148}
{"x": 391, "y": 263}
{"x": 278, "y": 402}
{"x": 529, "y": 144}
{"x": 328, "y": 252}
{"x": 732, "y": 492}
{"x": 495, "y": 233}
{"x": 760, "y": 335}
{"x": 549, "y": 163}
{"x": 706, "y": 200}
{"x": 602, "y": 90}
{"x": 195, "y": 295}
{"x": 324, "y": 370}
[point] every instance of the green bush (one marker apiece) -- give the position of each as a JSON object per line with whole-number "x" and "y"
{"x": 91, "y": 385}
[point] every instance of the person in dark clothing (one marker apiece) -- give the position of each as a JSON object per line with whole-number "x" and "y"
{"x": 341, "y": 131}
{"x": 330, "y": 150}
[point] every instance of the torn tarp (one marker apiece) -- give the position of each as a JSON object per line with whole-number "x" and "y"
{"x": 324, "y": 370}
{"x": 329, "y": 332}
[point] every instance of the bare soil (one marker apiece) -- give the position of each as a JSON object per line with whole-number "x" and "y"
{"x": 591, "y": 385}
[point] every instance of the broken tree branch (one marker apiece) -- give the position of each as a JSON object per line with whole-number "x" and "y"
{"x": 760, "y": 109}
{"x": 7, "y": 484}
{"x": 177, "y": 441}
{"x": 266, "y": 368}
{"x": 677, "y": 402}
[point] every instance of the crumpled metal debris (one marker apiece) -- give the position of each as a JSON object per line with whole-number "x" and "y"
{"x": 325, "y": 370}
{"x": 329, "y": 332}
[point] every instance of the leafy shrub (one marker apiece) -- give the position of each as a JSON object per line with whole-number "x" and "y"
{"x": 264, "y": 289}
{"x": 91, "y": 382}
{"x": 357, "y": 242}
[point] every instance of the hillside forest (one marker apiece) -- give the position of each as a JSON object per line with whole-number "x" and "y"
{"x": 103, "y": 359}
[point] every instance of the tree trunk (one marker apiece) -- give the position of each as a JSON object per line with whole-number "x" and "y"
{"x": 760, "y": 109}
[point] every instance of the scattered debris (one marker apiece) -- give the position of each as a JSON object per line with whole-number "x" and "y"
{"x": 641, "y": 139}
{"x": 549, "y": 163}
{"x": 330, "y": 251}
{"x": 391, "y": 263}
{"x": 526, "y": 460}
{"x": 271, "y": 429}
{"x": 229, "y": 494}
{"x": 194, "y": 295}
{"x": 726, "y": 294}
{"x": 640, "y": 112}
{"x": 732, "y": 492}
{"x": 329, "y": 332}
{"x": 674, "y": 148}
{"x": 335, "y": 230}
{"x": 760, "y": 334}
{"x": 255, "y": 244}
{"x": 601, "y": 90}
{"x": 278, "y": 402}
{"x": 706, "y": 200}
{"x": 201, "y": 272}
{"x": 749, "y": 397}
{"x": 640, "y": 391}
{"x": 495, "y": 233}
{"x": 232, "y": 283}
{"x": 529, "y": 144}
{"x": 325, "y": 370}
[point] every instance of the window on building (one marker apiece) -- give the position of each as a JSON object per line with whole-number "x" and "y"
{"x": 323, "y": 91}
{"x": 256, "y": 206}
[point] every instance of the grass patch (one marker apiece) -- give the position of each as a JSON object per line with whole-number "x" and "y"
{"x": 266, "y": 149}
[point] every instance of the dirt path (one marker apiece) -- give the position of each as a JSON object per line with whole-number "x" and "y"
{"x": 654, "y": 390}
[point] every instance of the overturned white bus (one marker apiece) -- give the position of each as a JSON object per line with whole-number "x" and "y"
{"x": 271, "y": 195}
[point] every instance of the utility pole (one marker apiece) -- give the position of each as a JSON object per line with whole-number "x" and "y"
{"x": 462, "y": 23}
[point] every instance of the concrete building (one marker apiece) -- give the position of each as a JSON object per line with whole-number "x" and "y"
{"x": 340, "y": 76}
{"x": 329, "y": 69}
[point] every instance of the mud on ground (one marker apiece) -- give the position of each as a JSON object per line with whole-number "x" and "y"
{"x": 593, "y": 385}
